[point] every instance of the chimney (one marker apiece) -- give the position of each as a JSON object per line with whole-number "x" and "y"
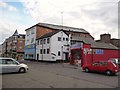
{"x": 105, "y": 38}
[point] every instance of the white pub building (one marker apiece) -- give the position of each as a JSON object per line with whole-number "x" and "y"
{"x": 53, "y": 46}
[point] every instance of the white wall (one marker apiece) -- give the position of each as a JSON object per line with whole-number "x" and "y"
{"x": 54, "y": 47}
{"x": 0, "y": 50}
{"x": 29, "y": 37}
{"x": 45, "y": 57}
{"x": 57, "y": 45}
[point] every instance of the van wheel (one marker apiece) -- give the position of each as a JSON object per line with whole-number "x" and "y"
{"x": 108, "y": 72}
{"x": 87, "y": 70}
{"x": 22, "y": 70}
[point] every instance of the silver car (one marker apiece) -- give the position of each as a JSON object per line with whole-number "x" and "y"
{"x": 11, "y": 65}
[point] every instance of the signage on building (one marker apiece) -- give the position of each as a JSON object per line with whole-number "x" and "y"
{"x": 30, "y": 46}
{"x": 99, "y": 51}
{"x": 87, "y": 51}
{"x": 77, "y": 45}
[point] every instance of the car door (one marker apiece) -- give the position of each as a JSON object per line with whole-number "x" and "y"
{"x": 11, "y": 66}
{"x": 103, "y": 66}
{"x": 1, "y": 62}
{"x": 95, "y": 66}
{"x": 3, "y": 65}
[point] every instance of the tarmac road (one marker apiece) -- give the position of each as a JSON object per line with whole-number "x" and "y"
{"x": 57, "y": 75}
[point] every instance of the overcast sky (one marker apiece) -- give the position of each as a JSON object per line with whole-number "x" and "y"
{"x": 95, "y": 16}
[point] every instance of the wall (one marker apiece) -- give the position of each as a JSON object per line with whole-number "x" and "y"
{"x": 46, "y": 46}
{"x": 54, "y": 46}
{"x": 57, "y": 45}
{"x": 20, "y": 45}
{"x": 98, "y": 54}
{"x": 90, "y": 55}
{"x": 107, "y": 54}
{"x": 30, "y": 41}
{"x": 42, "y": 30}
{"x": 30, "y": 36}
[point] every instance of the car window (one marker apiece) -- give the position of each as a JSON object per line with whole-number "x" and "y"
{"x": 103, "y": 63}
{"x": 95, "y": 64}
{"x": 9, "y": 61}
{"x": 2, "y": 61}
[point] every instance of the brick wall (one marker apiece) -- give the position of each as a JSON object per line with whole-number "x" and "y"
{"x": 41, "y": 31}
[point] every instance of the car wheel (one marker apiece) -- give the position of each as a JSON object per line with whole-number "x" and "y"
{"x": 22, "y": 70}
{"x": 87, "y": 70}
{"x": 108, "y": 72}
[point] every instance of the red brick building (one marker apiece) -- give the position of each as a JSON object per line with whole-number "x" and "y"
{"x": 14, "y": 46}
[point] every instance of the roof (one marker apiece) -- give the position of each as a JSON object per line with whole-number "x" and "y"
{"x": 49, "y": 34}
{"x": 15, "y": 33}
{"x": 60, "y": 27}
{"x": 97, "y": 44}
{"x": 103, "y": 45}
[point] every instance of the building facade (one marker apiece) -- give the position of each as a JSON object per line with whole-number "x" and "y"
{"x": 41, "y": 29}
{"x": 89, "y": 52}
{"x": 13, "y": 46}
{"x": 1, "y": 50}
{"x": 52, "y": 46}
{"x": 106, "y": 38}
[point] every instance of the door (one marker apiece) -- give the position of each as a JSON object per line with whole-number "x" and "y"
{"x": 67, "y": 57}
{"x": 103, "y": 66}
{"x": 37, "y": 57}
{"x": 95, "y": 66}
{"x": 10, "y": 66}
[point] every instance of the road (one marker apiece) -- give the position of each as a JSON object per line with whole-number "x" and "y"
{"x": 57, "y": 75}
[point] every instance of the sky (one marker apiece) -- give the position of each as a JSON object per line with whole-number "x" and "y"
{"x": 95, "y": 16}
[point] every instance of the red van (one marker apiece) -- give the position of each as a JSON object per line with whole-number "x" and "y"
{"x": 109, "y": 67}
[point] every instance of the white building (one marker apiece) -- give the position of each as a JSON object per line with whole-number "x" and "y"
{"x": 1, "y": 50}
{"x": 52, "y": 46}
{"x": 30, "y": 41}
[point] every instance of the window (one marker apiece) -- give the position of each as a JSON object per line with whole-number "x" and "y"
{"x": 66, "y": 39}
{"x": 41, "y": 41}
{"x": 9, "y": 61}
{"x": 2, "y": 61}
{"x": 21, "y": 42}
{"x": 28, "y": 33}
{"x": 59, "y": 38}
{"x": 48, "y": 51}
{"x": 63, "y": 39}
{"x": 58, "y": 53}
{"x": 44, "y": 41}
{"x": 38, "y": 42}
{"x": 95, "y": 64}
{"x": 32, "y": 40}
{"x": 40, "y": 51}
{"x": 44, "y": 52}
{"x": 48, "y": 40}
{"x": 32, "y": 32}
{"x": 21, "y": 36}
{"x": 103, "y": 63}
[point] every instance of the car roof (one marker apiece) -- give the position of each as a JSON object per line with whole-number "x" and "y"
{"x": 5, "y": 58}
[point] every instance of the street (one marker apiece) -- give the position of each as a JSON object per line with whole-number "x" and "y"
{"x": 57, "y": 75}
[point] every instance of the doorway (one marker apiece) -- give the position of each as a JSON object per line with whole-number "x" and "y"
{"x": 37, "y": 57}
{"x": 76, "y": 56}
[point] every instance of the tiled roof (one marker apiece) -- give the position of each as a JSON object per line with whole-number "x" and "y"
{"x": 48, "y": 34}
{"x": 97, "y": 44}
{"x": 60, "y": 27}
